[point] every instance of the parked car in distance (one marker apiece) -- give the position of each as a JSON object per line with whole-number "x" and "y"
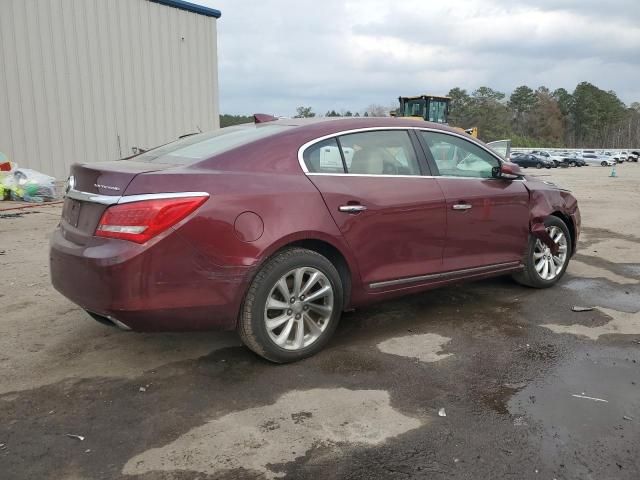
{"x": 573, "y": 159}
{"x": 618, "y": 157}
{"x": 594, "y": 159}
{"x": 556, "y": 158}
{"x": 633, "y": 156}
{"x": 529, "y": 160}
{"x": 274, "y": 229}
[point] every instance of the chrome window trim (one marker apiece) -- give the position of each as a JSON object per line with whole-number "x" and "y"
{"x": 121, "y": 199}
{"x": 439, "y": 177}
{"x": 310, "y": 143}
{"x": 444, "y": 275}
{"x": 368, "y": 175}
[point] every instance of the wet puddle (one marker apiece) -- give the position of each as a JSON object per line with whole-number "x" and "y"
{"x": 620, "y": 297}
{"x": 589, "y": 404}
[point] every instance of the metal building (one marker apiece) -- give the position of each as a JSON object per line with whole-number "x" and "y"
{"x": 90, "y": 80}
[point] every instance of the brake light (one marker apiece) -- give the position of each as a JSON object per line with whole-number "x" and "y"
{"x": 140, "y": 221}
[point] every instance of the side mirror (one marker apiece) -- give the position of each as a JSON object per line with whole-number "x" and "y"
{"x": 510, "y": 170}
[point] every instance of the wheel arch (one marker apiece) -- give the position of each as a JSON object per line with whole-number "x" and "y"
{"x": 325, "y": 245}
{"x": 570, "y": 225}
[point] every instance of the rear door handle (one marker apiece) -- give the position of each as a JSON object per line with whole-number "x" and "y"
{"x": 352, "y": 208}
{"x": 462, "y": 206}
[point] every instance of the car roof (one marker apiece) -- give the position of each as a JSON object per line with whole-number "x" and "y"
{"x": 329, "y": 125}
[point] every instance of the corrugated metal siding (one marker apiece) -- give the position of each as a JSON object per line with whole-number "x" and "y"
{"x": 87, "y": 80}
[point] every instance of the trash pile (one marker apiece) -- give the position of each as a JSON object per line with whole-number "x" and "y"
{"x": 24, "y": 184}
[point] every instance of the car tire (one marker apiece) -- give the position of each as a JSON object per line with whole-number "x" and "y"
{"x": 572, "y": 164}
{"x": 275, "y": 343}
{"x": 604, "y": 164}
{"x": 530, "y": 276}
{"x": 539, "y": 165}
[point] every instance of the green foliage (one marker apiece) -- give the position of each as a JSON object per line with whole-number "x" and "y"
{"x": 590, "y": 117}
{"x": 228, "y": 120}
{"x": 522, "y": 100}
{"x": 304, "y": 112}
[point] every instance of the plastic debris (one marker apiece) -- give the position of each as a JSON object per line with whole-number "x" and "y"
{"x": 590, "y": 398}
{"x": 442, "y": 413}
{"x": 515, "y": 386}
{"x": 24, "y": 184}
{"x": 576, "y": 308}
{"x": 520, "y": 422}
{"x": 627, "y": 417}
{"x": 77, "y": 437}
{"x": 142, "y": 389}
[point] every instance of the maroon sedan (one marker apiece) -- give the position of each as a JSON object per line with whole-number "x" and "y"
{"x": 277, "y": 227}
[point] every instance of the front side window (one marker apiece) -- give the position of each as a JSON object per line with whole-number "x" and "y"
{"x": 457, "y": 157}
{"x": 385, "y": 152}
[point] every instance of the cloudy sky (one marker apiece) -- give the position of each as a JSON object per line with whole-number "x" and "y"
{"x": 348, "y": 54}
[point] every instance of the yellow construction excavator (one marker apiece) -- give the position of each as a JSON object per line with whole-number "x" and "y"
{"x": 432, "y": 108}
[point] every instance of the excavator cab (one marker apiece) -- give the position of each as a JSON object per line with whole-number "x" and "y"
{"x": 431, "y": 108}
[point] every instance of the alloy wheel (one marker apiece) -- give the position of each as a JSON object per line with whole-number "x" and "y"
{"x": 299, "y": 308}
{"x": 549, "y": 266}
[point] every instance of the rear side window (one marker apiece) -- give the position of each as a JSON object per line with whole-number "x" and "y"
{"x": 324, "y": 157}
{"x": 386, "y": 152}
{"x": 206, "y": 145}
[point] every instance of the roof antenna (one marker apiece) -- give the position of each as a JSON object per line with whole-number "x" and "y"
{"x": 263, "y": 117}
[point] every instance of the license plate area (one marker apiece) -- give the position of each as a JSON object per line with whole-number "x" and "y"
{"x": 71, "y": 211}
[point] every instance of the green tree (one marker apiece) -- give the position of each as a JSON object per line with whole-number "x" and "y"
{"x": 595, "y": 112}
{"x": 304, "y": 112}
{"x": 459, "y": 107}
{"x": 227, "y": 120}
{"x": 489, "y": 114}
{"x": 521, "y": 102}
{"x": 546, "y": 122}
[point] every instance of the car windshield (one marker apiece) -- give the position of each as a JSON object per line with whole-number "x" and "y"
{"x": 206, "y": 145}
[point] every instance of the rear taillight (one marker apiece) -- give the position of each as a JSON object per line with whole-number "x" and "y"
{"x": 142, "y": 220}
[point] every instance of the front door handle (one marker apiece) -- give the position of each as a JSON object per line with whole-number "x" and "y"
{"x": 462, "y": 206}
{"x": 352, "y": 208}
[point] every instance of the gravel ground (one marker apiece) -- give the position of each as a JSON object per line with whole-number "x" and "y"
{"x": 530, "y": 389}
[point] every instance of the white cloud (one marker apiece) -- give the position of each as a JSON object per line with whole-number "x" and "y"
{"x": 275, "y": 56}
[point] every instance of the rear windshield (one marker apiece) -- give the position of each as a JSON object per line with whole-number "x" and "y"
{"x": 206, "y": 145}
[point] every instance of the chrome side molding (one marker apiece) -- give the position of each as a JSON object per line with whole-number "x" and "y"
{"x": 445, "y": 275}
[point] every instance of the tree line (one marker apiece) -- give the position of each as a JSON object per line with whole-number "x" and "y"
{"x": 588, "y": 117}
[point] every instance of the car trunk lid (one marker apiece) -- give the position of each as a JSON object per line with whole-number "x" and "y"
{"x": 95, "y": 187}
{"x": 110, "y": 178}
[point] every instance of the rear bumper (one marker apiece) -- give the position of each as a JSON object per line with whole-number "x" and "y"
{"x": 165, "y": 286}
